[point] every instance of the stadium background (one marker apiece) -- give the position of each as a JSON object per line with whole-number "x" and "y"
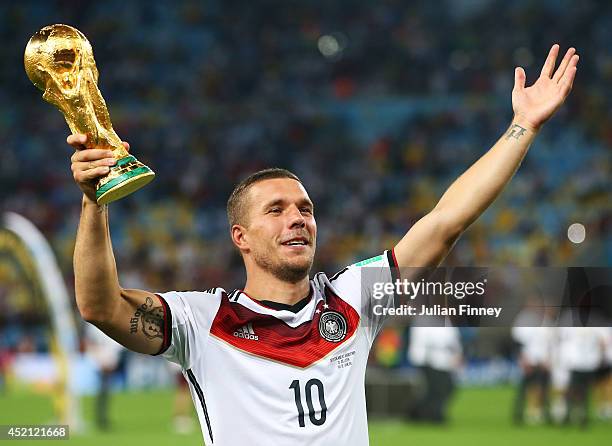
{"x": 377, "y": 106}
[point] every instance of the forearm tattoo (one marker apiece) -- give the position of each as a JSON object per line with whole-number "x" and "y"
{"x": 150, "y": 319}
{"x": 515, "y": 131}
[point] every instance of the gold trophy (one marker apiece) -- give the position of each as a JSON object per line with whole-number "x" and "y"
{"x": 59, "y": 60}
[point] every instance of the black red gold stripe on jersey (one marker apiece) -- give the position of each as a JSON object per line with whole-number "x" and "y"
{"x": 298, "y": 346}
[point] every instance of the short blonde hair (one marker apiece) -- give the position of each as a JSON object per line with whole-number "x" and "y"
{"x": 236, "y": 204}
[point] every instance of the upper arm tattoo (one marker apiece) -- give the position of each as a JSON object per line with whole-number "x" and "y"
{"x": 150, "y": 319}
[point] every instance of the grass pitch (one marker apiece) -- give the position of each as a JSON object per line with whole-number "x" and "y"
{"x": 478, "y": 417}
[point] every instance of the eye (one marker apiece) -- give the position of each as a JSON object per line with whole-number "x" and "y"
{"x": 275, "y": 210}
{"x": 306, "y": 210}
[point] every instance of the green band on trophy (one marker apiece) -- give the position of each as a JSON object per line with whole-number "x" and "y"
{"x": 124, "y": 184}
{"x": 124, "y": 161}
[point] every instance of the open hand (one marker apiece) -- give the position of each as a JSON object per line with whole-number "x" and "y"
{"x": 534, "y": 105}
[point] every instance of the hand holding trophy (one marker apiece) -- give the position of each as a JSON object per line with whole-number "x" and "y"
{"x": 59, "y": 61}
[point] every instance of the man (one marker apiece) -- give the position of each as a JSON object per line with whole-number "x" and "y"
{"x": 283, "y": 361}
{"x": 535, "y": 358}
{"x": 603, "y": 378}
{"x": 435, "y": 348}
{"x": 584, "y": 352}
{"x": 106, "y": 354}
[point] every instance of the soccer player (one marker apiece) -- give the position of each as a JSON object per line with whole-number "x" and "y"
{"x": 584, "y": 352}
{"x": 535, "y": 358}
{"x": 282, "y": 361}
{"x": 106, "y": 354}
{"x": 435, "y": 348}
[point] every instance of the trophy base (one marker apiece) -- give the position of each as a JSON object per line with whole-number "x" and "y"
{"x": 125, "y": 177}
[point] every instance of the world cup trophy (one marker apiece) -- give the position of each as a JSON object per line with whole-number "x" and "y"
{"x": 59, "y": 61}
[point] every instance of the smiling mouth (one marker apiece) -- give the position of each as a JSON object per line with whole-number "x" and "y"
{"x": 295, "y": 243}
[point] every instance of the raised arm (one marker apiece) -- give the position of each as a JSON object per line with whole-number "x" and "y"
{"x": 428, "y": 242}
{"x": 134, "y": 318}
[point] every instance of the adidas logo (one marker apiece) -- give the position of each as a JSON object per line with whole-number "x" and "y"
{"x": 246, "y": 332}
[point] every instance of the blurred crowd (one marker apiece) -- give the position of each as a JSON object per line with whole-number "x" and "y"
{"x": 377, "y": 106}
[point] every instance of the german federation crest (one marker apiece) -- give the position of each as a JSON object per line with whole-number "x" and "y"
{"x": 332, "y": 326}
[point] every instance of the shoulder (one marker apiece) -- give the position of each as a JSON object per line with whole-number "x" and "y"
{"x": 210, "y": 293}
{"x": 193, "y": 302}
{"x": 352, "y": 275}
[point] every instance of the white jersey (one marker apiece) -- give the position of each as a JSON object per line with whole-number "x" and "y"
{"x": 537, "y": 344}
{"x": 436, "y": 347}
{"x": 102, "y": 349}
{"x": 261, "y": 376}
{"x": 583, "y": 348}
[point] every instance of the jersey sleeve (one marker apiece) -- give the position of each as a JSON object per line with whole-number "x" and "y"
{"x": 188, "y": 316}
{"x": 361, "y": 285}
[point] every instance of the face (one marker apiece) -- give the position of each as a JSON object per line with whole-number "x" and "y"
{"x": 280, "y": 230}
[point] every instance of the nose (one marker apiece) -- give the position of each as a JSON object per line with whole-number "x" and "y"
{"x": 296, "y": 219}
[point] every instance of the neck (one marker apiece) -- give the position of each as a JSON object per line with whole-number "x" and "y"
{"x": 265, "y": 286}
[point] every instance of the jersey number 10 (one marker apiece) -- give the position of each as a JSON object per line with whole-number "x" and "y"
{"x": 295, "y": 385}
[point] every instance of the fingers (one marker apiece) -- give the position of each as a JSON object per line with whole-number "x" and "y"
{"x": 568, "y": 78}
{"x": 90, "y": 155}
{"x": 77, "y": 141}
{"x": 549, "y": 64}
{"x": 87, "y": 165}
{"x": 88, "y": 170}
{"x": 564, "y": 64}
{"x": 519, "y": 78}
{"x": 82, "y": 176}
{"x": 566, "y": 82}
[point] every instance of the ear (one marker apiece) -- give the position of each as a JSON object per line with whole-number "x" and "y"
{"x": 239, "y": 238}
